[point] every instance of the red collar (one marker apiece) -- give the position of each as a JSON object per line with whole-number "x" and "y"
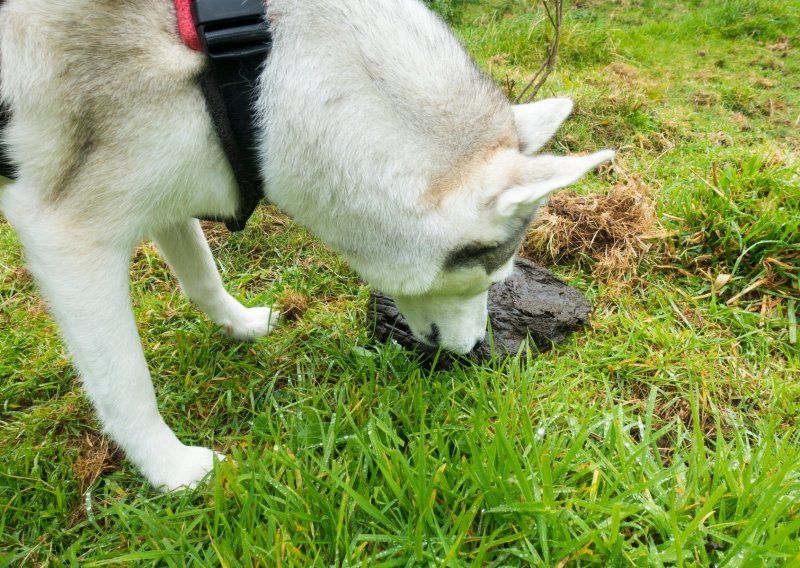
{"x": 186, "y": 24}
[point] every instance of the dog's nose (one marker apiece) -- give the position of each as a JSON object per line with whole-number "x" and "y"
{"x": 434, "y": 336}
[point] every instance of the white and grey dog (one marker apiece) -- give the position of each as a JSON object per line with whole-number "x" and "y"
{"x": 379, "y": 133}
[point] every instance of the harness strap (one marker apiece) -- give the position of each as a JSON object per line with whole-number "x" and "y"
{"x": 7, "y": 167}
{"x": 230, "y": 110}
{"x": 235, "y": 37}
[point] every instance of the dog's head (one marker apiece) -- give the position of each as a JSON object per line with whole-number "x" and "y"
{"x": 485, "y": 216}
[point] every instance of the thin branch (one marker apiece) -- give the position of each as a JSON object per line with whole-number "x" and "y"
{"x": 537, "y": 80}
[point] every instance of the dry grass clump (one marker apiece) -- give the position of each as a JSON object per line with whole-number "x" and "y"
{"x": 216, "y": 233}
{"x": 623, "y": 71}
{"x": 705, "y": 98}
{"x": 293, "y": 305}
{"x": 780, "y": 46}
{"x": 98, "y": 456}
{"x": 615, "y": 230}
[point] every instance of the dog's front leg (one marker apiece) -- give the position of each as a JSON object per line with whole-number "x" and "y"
{"x": 85, "y": 280}
{"x": 187, "y": 252}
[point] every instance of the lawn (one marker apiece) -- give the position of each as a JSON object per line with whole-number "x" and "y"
{"x": 665, "y": 435}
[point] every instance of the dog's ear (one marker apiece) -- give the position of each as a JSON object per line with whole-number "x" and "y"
{"x": 540, "y": 176}
{"x": 537, "y": 122}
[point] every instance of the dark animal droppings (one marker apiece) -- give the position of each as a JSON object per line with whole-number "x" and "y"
{"x": 532, "y": 302}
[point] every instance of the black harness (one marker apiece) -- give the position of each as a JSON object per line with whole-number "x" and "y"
{"x": 236, "y": 38}
{"x": 7, "y": 168}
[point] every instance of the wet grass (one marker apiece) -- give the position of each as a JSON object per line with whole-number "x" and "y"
{"x": 666, "y": 435}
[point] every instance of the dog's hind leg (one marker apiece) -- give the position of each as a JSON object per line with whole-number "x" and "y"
{"x": 84, "y": 276}
{"x": 187, "y": 252}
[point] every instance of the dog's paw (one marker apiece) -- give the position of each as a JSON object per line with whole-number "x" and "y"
{"x": 185, "y": 469}
{"x": 252, "y": 322}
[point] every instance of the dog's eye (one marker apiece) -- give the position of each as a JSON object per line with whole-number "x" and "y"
{"x": 490, "y": 256}
{"x": 470, "y": 255}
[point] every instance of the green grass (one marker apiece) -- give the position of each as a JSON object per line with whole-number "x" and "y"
{"x": 666, "y": 435}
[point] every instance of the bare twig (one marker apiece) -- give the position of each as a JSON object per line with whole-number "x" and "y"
{"x": 554, "y": 9}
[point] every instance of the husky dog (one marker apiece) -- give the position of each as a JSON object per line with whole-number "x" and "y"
{"x": 378, "y": 132}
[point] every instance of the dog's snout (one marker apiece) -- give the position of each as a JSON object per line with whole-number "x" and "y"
{"x": 434, "y": 339}
{"x": 455, "y": 324}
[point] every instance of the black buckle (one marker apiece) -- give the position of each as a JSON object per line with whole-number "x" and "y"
{"x": 231, "y": 29}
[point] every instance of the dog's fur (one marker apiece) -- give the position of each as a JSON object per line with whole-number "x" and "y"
{"x": 379, "y": 134}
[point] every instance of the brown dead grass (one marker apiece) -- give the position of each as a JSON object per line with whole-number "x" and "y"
{"x": 705, "y": 98}
{"x": 623, "y": 71}
{"x": 741, "y": 121}
{"x": 781, "y": 46}
{"x": 764, "y": 82}
{"x": 216, "y": 233}
{"x": 293, "y": 305}
{"x": 97, "y": 456}
{"x": 615, "y": 230}
{"x": 18, "y": 276}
